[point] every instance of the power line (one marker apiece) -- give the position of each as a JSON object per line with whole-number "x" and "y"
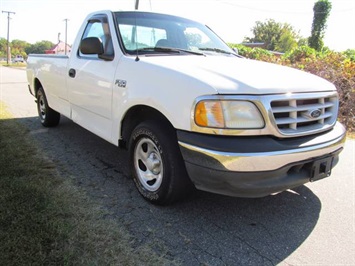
{"x": 279, "y": 11}
{"x": 261, "y": 9}
{"x": 8, "y": 34}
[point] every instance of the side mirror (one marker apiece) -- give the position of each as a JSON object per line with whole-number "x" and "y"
{"x": 235, "y": 50}
{"x": 91, "y": 45}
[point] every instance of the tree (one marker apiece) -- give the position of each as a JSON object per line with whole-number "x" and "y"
{"x": 3, "y": 47}
{"x": 302, "y": 42}
{"x": 321, "y": 11}
{"x": 350, "y": 54}
{"x": 39, "y": 47}
{"x": 275, "y": 35}
{"x": 287, "y": 42}
{"x": 18, "y": 47}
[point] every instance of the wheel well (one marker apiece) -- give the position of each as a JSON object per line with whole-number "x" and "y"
{"x": 135, "y": 116}
{"x": 37, "y": 85}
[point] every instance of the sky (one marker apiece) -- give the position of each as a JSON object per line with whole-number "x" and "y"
{"x": 232, "y": 20}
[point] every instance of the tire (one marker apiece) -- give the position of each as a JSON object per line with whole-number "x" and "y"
{"x": 156, "y": 164}
{"x": 48, "y": 117}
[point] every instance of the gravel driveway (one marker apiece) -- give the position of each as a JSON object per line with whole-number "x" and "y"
{"x": 314, "y": 224}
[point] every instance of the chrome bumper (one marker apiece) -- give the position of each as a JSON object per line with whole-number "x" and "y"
{"x": 268, "y": 161}
{"x": 262, "y": 171}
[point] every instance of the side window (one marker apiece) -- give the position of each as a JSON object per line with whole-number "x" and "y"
{"x": 99, "y": 28}
{"x": 94, "y": 29}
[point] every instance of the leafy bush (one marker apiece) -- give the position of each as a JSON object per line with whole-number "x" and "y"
{"x": 255, "y": 53}
{"x": 350, "y": 54}
{"x": 300, "y": 53}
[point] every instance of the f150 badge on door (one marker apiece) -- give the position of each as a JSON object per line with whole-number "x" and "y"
{"x": 121, "y": 83}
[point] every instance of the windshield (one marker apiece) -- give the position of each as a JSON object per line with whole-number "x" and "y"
{"x": 143, "y": 33}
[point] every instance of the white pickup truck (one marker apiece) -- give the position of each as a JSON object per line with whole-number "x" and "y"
{"x": 190, "y": 111}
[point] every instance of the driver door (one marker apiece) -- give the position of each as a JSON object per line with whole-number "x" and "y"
{"x": 90, "y": 81}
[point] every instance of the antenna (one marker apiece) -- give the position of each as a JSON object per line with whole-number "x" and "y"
{"x": 135, "y": 34}
{"x": 136, "y": 5}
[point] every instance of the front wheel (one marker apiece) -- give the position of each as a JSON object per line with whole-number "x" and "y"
{"x": 48, "y": 117}
{"x": 156, "y": 163}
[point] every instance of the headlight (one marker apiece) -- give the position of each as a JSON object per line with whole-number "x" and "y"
{"x": 228, "y": 115}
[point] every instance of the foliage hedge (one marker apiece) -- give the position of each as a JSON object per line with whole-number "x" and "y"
{"x": 336, "y": 67}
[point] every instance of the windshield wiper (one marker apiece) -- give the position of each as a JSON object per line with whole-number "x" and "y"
{"x": 168, "y": 50}
{"x": 217, "y": 50}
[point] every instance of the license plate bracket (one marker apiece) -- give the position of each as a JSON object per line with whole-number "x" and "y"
{"x": 321, "y": 168}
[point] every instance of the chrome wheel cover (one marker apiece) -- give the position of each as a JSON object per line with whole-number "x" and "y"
{"x": 148, "y": 164}
{"x": 42, "y": 107}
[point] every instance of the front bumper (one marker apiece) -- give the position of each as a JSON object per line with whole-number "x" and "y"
{"x": 258, "y": 166}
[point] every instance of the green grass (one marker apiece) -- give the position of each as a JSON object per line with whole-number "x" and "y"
{"x": 11, "y": 64}
{"x": 46, "y": 220}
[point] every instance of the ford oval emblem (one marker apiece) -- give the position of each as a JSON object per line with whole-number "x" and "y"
{"x": 315, "y": 113}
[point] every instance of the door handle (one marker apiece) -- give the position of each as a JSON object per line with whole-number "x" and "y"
{"x": 72, "y": 73}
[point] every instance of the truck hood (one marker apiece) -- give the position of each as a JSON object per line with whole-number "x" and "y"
{"x": 233, "y": 75}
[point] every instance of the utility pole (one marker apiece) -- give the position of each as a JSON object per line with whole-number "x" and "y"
{"x": 8, "y": 34}
{"x": 136, "y": 5}
{"x": 66, "y": 33}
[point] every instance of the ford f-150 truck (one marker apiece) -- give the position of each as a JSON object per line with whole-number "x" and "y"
{"x": 190, "y": 111}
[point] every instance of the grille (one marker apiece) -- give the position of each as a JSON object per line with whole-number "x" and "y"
{"x": 299, "y": 115}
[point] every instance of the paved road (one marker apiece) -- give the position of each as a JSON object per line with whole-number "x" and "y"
{"x": 312, "y": 225}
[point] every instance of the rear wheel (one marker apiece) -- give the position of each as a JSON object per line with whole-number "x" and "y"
{"x": 156, "y": 163}
{"x": 48, "y": 117}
